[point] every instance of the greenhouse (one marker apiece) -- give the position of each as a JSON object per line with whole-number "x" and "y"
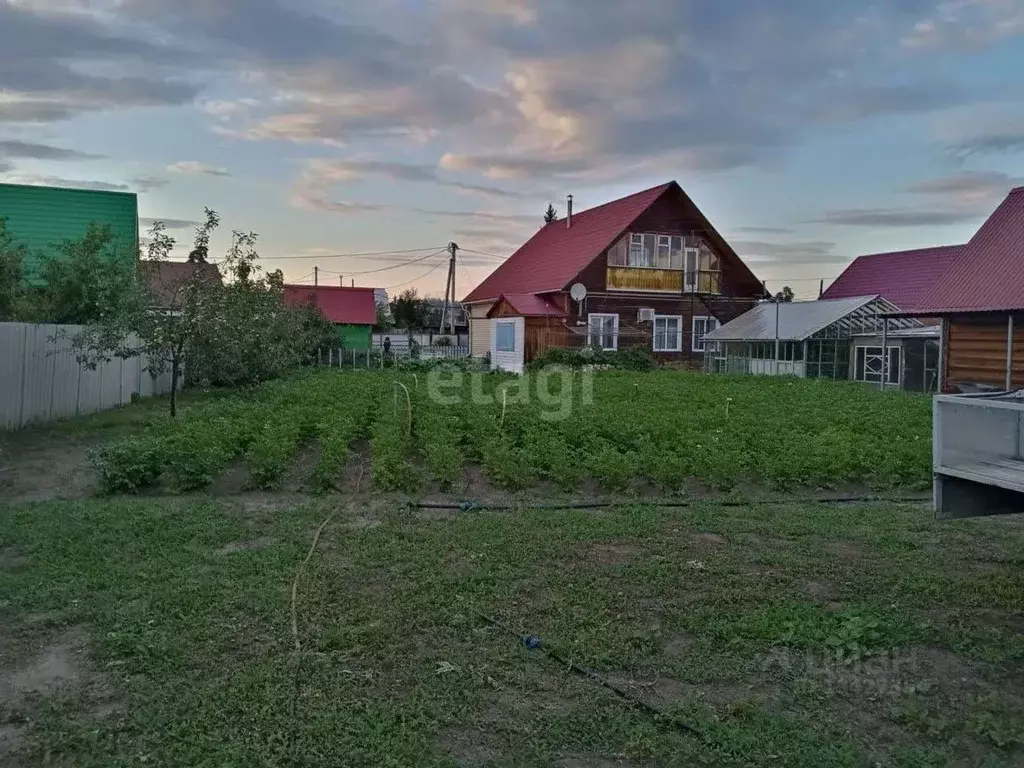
{"x": 830, "y": 339}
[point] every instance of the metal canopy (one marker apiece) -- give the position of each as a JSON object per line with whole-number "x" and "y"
{"x": 801, "y": 320}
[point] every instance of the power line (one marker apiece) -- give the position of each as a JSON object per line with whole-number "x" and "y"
{"x": 396, "y": 266}
{"x": 481, "y": 253}
{"x": 417, "y": 279}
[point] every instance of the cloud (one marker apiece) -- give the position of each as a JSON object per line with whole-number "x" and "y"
{"x": 970, "y": 191}
{"x": 147, "y": 183}
{"x": 172, "y": 224}
{"x": 966, "y": 25}
{"x": 765, "y": 230}
{"x": 793, "y": 252}
{"x": 56, "y": 64}
{"x": 25, "y": 149}
{"x": 893, "y": 217}
{"x": 197, "y": 168}
{"x": 59, "y": 181}
{"x": 998, "y": 137}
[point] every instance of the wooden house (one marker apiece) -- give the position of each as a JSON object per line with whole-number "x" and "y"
{"x": 655, "y": 271}
{"x": 979, "y": 298}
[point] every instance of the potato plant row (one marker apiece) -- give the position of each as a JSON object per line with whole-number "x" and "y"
{"x": 666, "y": 428}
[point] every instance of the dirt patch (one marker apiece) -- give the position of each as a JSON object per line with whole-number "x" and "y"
{"x": 256, "y": 503}
{"x": 771, "y": 543}
{"x": 358, "y": 523}
{"x": 610, "y": 553}
{"x": 658, "y": 692}
{"x": 241, "y": 546}
{"x": 469, "y": 746}
{"x": 11, "y": 559}
{"x": 708, "y": 539}
{"x": 849, "y": 549}
{"x": 477, "y": 485}
{"x": 10, "y": 739}
{"x": 355, "y": 479}
{"x": 678, "y": 646}
{"x": 589, "y": 761}
{"x": 232, "y": 481}
{"x": 43, "y": 467}
{"x": 816, "y": 589}
{"x": 57, "y": 667}
{"x": 300, "y": 474}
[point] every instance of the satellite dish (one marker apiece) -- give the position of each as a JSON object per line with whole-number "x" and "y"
{"x": 578, "y": 292}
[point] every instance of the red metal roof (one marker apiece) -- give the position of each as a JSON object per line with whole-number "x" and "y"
{"x": 989, "y": 276}
{"x": 557, "y": 253}
{"x": 905, "y": 278}
{"x": 352, "y": 306}
{"x": 531, "y": 305}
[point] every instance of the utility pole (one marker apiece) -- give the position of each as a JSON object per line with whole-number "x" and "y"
{"x": 316, "y": 275}
{"x": 448, "y": 310}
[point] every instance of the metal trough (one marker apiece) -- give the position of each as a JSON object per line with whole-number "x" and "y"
{"x": 977, "y": 455}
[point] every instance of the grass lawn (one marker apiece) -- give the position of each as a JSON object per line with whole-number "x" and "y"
{"x": 158, "y": 632}
{"x": 156, "y": 628}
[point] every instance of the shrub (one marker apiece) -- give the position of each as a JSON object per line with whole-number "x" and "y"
{"x": 631, "y": 359}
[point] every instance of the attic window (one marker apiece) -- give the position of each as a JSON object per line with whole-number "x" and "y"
{"x": 644, "y": 249}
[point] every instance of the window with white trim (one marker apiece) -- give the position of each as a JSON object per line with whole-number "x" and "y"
{"x": 702, "y": 326}
{"x": 505, "y": 336}
{"x": 603, "y": 331}
{"x": 668, "y": 333}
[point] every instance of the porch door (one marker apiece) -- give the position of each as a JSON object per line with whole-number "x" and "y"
{"x": 508, "y": 344}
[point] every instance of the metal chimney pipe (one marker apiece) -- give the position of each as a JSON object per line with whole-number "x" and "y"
{"x": 568, "y": 212}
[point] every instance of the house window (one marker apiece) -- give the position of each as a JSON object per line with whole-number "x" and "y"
{"x": 603, "y": 331}
{"x": 668, "y": 333}
{"x": 505, "y": 336}
{"x": 868, "y": 365}
{"x": 701, "y": 327}
{"x": 639, "y": 255}
{"x": 663, "y": 256}
{"x": 691, "y": 258}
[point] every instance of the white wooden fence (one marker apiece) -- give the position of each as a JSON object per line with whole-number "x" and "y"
{"x": 40, "y": 379}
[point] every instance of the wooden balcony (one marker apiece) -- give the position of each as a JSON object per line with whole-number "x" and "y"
{"x": 652, "y": 280}
{"x": 644, "y": 279}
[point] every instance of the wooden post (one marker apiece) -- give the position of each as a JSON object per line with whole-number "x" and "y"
{"x": 777, "y": 302}
{"x": 943, "y": 336}
{"x": 1009, "y": 353}
{"x": 885, "y": 352}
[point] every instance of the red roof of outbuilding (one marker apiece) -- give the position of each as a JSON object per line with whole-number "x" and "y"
{"x": 557, "y": 253}
{"x": 531, "y": 305}
{"x": 352, "y": 306}
{"x": 990, "y": 275}
{"x": 905, "y": 278}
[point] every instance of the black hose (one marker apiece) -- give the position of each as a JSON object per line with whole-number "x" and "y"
{"x": 469, "y": 506}
{"x": 590, "y": 674}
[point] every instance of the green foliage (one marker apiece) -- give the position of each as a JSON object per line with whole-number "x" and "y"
{"x": 129, "y": 466}
{"x": 630, "y": 359}
{"x": 786, "y": 295}
{"x": 12, "y": 278}
{"x": 409, "y": 311}
{"x": 87, "y": 281}
{"x": 550, "y": 214}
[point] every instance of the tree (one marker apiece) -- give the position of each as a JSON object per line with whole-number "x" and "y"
{"x": 409, "y": 310}
{"x": 12, "y": 273}
{"x": 785, "y": 295}
{"x": 384, "y": 321}
{"x": 550, "y": 214}
{"x": 85, "y": 279}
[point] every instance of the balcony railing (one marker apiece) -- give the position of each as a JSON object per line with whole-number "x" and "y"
{"x": 653, "y": 280}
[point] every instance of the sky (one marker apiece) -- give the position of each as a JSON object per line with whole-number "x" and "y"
{"x": 808, "y": 132}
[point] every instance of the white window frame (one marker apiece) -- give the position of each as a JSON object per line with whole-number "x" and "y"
{"x": 590, "y": 330}
{"x": 679, "y": 333}
{"x": 497, "y": 336}
{"x": 705, "y": 320}
{"x": 691, "y": 272}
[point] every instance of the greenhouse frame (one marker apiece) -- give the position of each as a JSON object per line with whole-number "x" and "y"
{"x": 830, "y": 339}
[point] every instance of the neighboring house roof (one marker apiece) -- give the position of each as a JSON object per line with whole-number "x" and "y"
{"x": 903, "y": 277}
{"x": 990, "y": 275}
{"x": 797, "y": 320}
{"x": 164, "y": 279}
{"x": 553, "y": 257}
{"x": 349, "y": 306}
{"x": 530, "y": 305}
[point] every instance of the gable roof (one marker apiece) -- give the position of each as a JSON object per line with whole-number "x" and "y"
{"x": 529, "y": 305}
{"x": 798, "y": 320}
{"x": 164, "y": 279}
{"x": 990, "y": 275}
{"x": 903, "y": 277}
{"x": 351, "y": 306}
{"x": 553, "y": 257}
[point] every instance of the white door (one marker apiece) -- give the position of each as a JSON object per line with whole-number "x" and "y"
{"x": 508, "y": 344}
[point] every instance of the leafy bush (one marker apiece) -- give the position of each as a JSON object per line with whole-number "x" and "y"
{"x": 630, "y": 359}
{"x": 130, "y": 465}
